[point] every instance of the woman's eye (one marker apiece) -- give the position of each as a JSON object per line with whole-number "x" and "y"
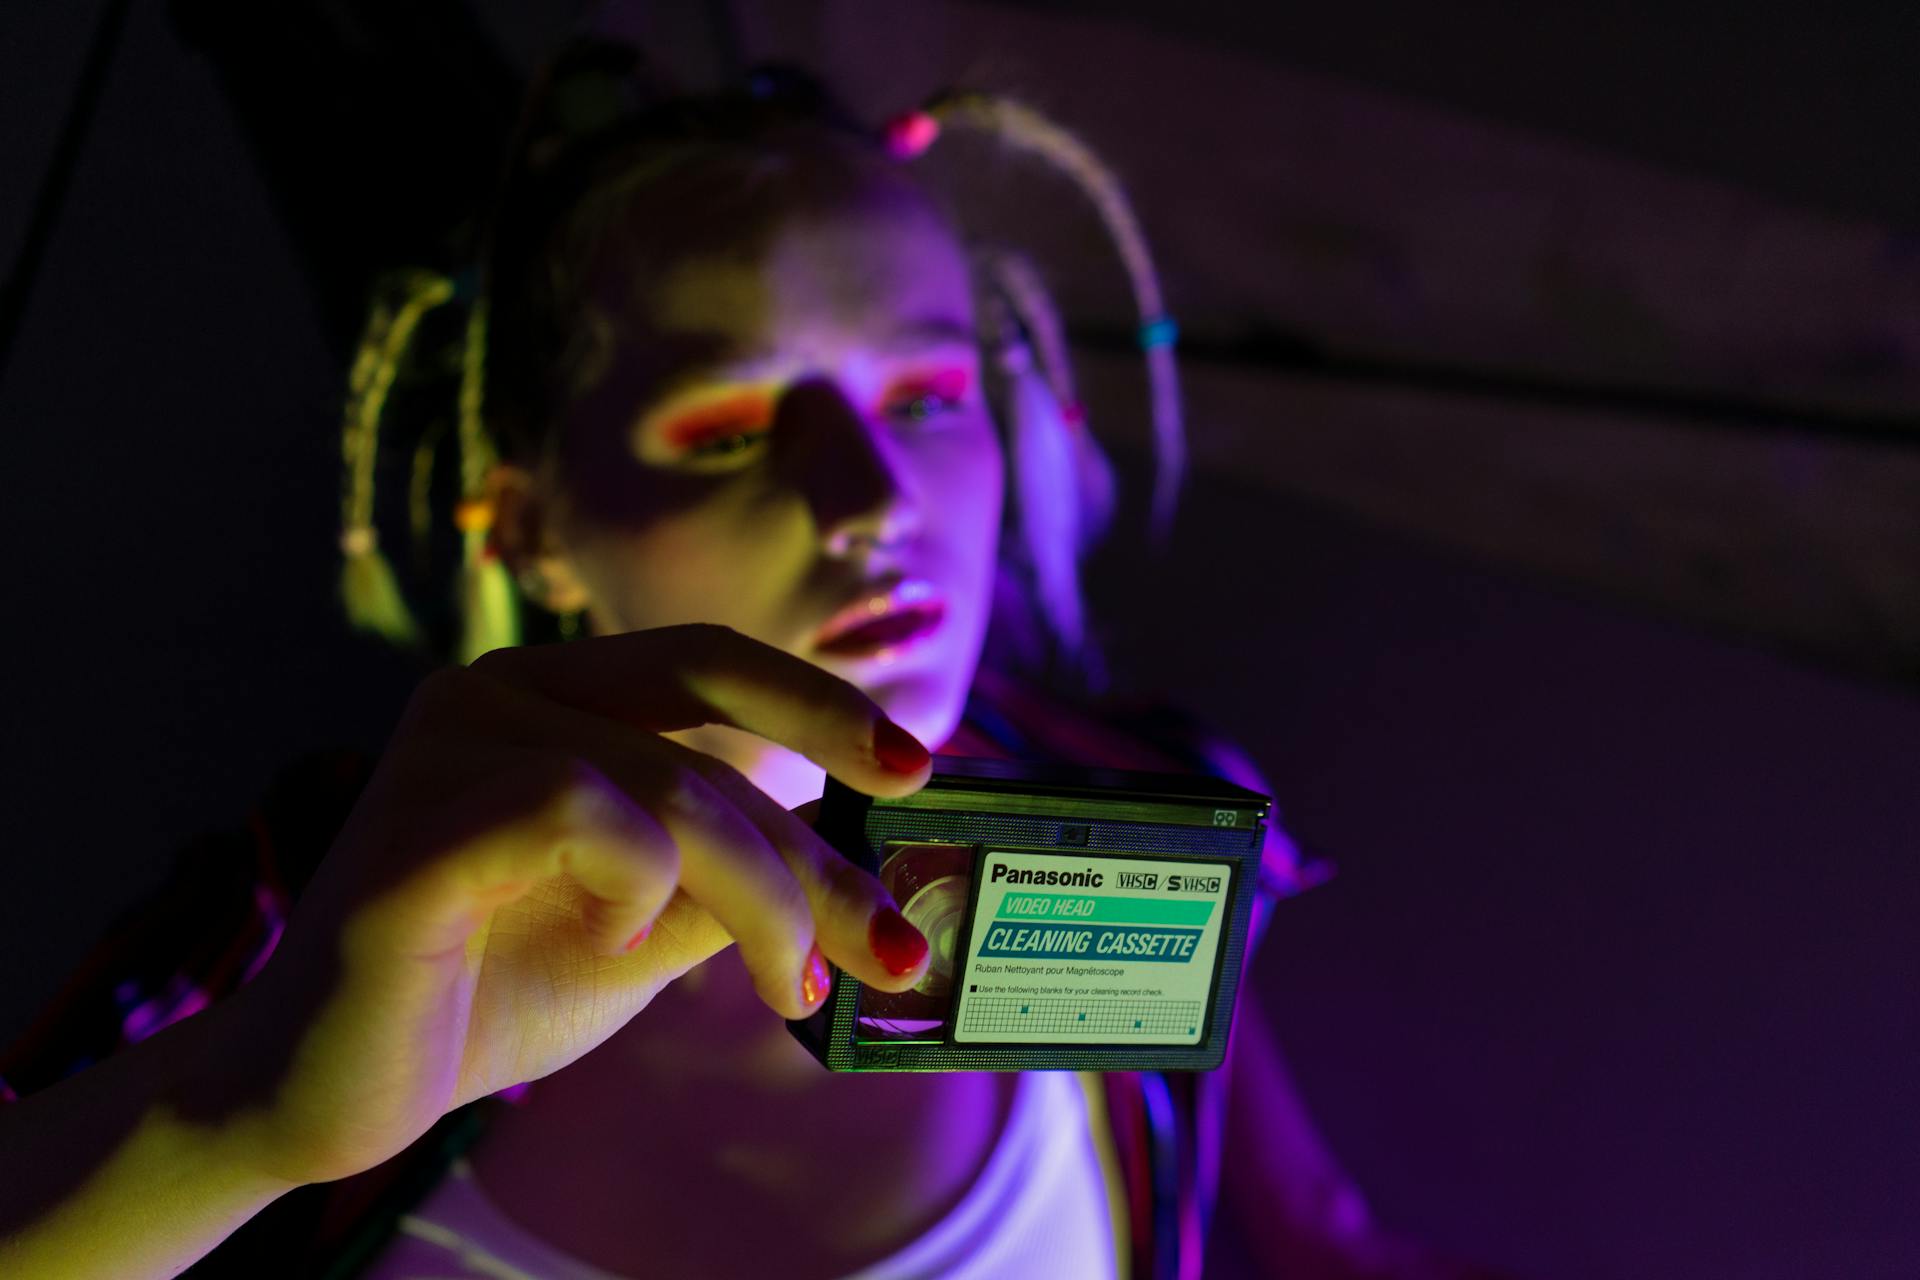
{"x": 726, "y": 444}
{"x": 922, "y": 407}
{"x": 714, "y": 430}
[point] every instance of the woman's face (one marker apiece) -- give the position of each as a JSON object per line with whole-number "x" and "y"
{"x": 792, "y": 441}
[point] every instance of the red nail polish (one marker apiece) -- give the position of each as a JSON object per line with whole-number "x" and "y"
{"x": 639, "y": 937}
{"x": 897, "y": 749}
{"x": 815, "y": 982}
{"x": 899, "y": 945}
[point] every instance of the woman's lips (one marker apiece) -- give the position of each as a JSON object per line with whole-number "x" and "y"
{"x": 894, "y": 631}
{"x": 893, "y": 620}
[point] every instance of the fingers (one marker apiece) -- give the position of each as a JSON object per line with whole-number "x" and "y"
{"x": 681, "y": 677}
{"x": 772, "y": 884}
{"x": 855, "y": 921}
{"x": 545, "y": 816}
{"x": 729, "y": 867}
{"x": 628, "y": 819}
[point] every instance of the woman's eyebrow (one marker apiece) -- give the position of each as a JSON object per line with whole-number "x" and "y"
{"x": 709, "y": 351}
{"x": 929, "y": 331}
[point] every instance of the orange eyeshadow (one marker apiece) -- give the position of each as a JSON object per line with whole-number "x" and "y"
{"x": 950, "y": 384}
{"x": 733, "y": 416}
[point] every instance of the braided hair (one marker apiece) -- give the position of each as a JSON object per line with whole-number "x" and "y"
{"x": 596, "y": 139}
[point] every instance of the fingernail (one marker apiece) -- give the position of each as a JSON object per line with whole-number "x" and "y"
{"x": 815, "y": 981}
{"x": 639, "y": 937}
{"x": 899, "y": 945}
{"x": 897, "y": 749}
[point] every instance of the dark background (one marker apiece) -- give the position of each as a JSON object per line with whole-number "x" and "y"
{"x": 1618, "y": 977}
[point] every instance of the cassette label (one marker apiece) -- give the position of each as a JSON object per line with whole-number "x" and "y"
{"x": 1091, "y": 949}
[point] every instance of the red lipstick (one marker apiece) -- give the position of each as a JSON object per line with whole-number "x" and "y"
{"x": 883, "y": 618}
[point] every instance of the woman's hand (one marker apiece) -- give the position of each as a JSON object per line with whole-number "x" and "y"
{"x": 470, "y": 928}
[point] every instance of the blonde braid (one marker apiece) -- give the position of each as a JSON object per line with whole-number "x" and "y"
{"x": 1062, "y": 486}
{"x": 368, "y": 588}
{"x": 489, "y": 608}
{"x": 1027, "y": 129}
{"x": 420, "y": 495}
{"x": 1019, "y": 280}
{"x": 1020, "y": 283}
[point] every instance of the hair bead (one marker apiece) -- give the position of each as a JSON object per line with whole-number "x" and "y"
{"x": 908, "y": 136}
{"x": 473, "y": 515}
{"x": 1160, "y": 331}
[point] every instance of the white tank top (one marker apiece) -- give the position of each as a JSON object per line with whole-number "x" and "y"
{"x": 1037, "y": 1212}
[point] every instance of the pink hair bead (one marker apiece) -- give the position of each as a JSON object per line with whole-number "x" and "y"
{"x": 911, "y": 134}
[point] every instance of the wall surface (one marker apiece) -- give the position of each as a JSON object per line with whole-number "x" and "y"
{"x": 1616, "y": 977}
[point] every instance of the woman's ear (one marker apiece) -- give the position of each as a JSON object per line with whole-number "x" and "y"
{"x": 524, "y": 537}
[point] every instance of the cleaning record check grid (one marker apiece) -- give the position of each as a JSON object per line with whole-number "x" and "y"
{"x": 1117, "y": 1018}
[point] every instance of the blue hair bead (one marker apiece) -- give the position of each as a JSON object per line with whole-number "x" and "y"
{"x": 1161, "y": 331}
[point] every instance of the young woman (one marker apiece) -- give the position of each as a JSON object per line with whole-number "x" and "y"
{"x": 741, "y": 408}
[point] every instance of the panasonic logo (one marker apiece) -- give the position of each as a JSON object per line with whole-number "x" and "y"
{"x": 1084, "y": 879}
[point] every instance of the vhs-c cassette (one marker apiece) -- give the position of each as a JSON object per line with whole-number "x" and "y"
{"x": 1079, "y": 919}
